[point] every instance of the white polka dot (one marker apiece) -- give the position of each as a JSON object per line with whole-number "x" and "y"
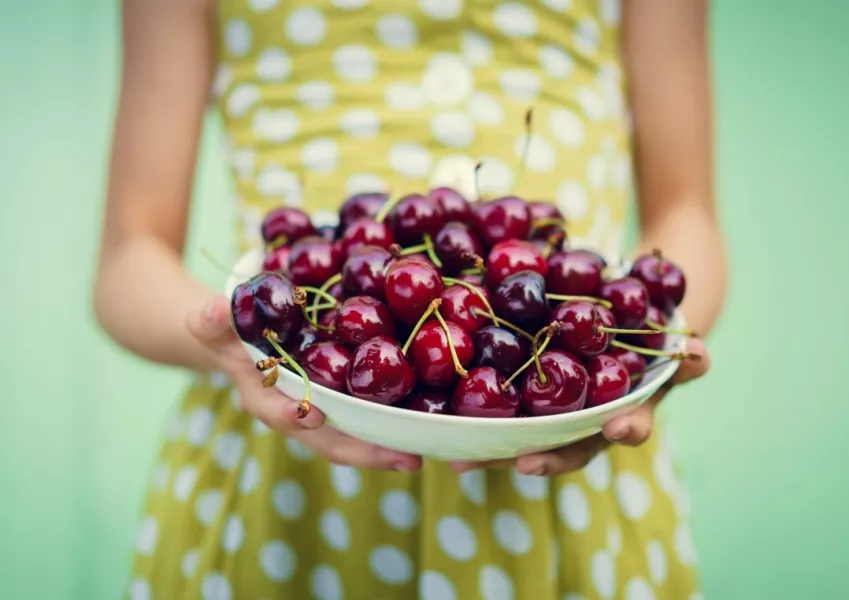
{"x": 410, "y": 160}
{"x": 530, "y": 487}
{"x": 276, "y": 125}
{"x": 399, "y": 509}
{"x": 453, "y": 129}
{"x": 658, "y": 564}
{"x": 334, "y": 529}
{"x": 598, "y": 472}
{"x": 590, "y": 102}
{"x": 325, "y": 583}
{"x": 639, "y": 589}
{"x": 404, "y": 96}
{"x": 614, "y": 539}
{"x": 349, "y": 4}
{"x": 184, "y": 483}
{"x": 473, "y": 485}
{"x": 433, "y": 585}
{"x": 262, "y": 5}
{"x": 242, "y": 99}
{"x": 273, "y": 65}
{"x": 208, "y": 505}
{"x": 485, "y": 109}
{"x": 234, "y": 534}
{"x": 346, "y": 480}
{"x": 147, "y": 535}
{"x": 189, "y": 563}
{"x": 274, "y": 182}
{"x": 520, "y": 84}
{"x": 361, "y": 183}
{"x": 684, "y": 546}
{"x": 354, "y": 63}
{"x": 574, "y": 596}
{"x": 320, "y": 155}
{"x": 441, "y": 10}
{"x": 541, "y": 156}
{"x": 288, "y": 499}
{"x": 216, "y": 587}
{"x": 306, "y": 26}
{"x": 664, "y": 470}
{"x": 455, "y": 171}
{"x": 299, "y": 450}
{"x": 456, "y": 538}
{"x": 572, "y": 200}
{"x": 447, "y": 80}
{"x": 397, "y": 31}
{"x": 258, "y": 427}
{"x": 622, "y": 171}
{"x": 597, "y": 172}
{"x": 159, "y": 479}
{"x": 317, "y": 95}
{"x": 566, "y": 127}
{"x": 360, "y": 123}
{"x": 250, "y": 219}
{"x": 512, "y": 532}
{"x": 140, "y": 589}
{"x": 242, "y": 161}
{"x": 587, "y": 36}
{"x": 573, "y": 507}
{"x": 496, "y": 584}
{"x": 603, "y": 573}
{"x": 199, "y": 426}
{"x": 515, "y": 20}
{"x": 175, "y": 427}
{"x": 222, "y": 81}
{"x": 559, "y": 5}
{"x": 611, "y": 11}
{"x": 227, "y": 450}
{"x": 633, "y": 495}
{"x": 476, "y": 49}
{"x": 277, "y": 560}
{"x": 556, "y": 62}
{"x": 390, "y": 565}
{"x": 236, "y": 400}
{"x": 249, "y": 479}
{"x": 495, "y": 177}
{"x": 238, "y": 37}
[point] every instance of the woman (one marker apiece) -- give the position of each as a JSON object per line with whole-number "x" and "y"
{"x": 247, "y": 502}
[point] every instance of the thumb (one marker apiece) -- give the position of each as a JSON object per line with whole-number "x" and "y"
{"x": 694, "y": 367}
{"x": 210, "y": 324}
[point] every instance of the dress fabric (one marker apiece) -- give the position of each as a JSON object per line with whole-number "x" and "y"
{"x": 348, "y": 96}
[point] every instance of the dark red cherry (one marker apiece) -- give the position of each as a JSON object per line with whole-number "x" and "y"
{"x": 302, "y": 339}
{"x": 364, "y": 273}
{"x": 328, "y": 232}
{"x": 609, "y": 380}
{"x": 663, "y": 279}
{"x": 361, "y": 318}
{"x": 454, "y": 206}
{"x": 607, "y": 318}
{"x": 574, "y": 273}
{"x": 473, "y": 278}
{"x": 520, "y": 299}
{"x": 365, "y": 232}
{"x": 456, "y": 245}
{"x": 326, "y": 363}
{"x": 286, "y": 221}
{"x": 564, "y": 389}
{"x": 413, "y": 217}
{"x": 265, "y": 301}
{"x": 579, "y": 332}
{"x": 359, "y": 206}
{"x": 335, "y": 290}
{"x": 502, "y": 219}
{"x": 313, "y": 260}
{"x": 277, "y": 260}
{"x": 379, "y": 372}
{"x": 512, "y": 256}
{"x": 630, "y": 301}
{"x": 463, "y": 306}
{"x": 411, "y": 285}
{"x": 429, "y": 401}
{"x": 328, "y": 325}
{"x": 500, "y": 349}
{"x": 654, "y": 341}
{"x": 481, "y": 395}
{"x": 543, "y": 217}
{"x": 430, "y": 355}
{"x": 635, "y": 363}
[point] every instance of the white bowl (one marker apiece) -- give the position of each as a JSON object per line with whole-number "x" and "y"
{"x": 449, "y": 437}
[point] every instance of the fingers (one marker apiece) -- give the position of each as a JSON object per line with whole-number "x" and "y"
{"x": 343, "y": 449}
{"x": 463, "y": 466}
{"x": 279, "y": 412}
{"x": 693, "y": 368}
{"x": 563, "y": 460}
{"x": 210, "y": 324}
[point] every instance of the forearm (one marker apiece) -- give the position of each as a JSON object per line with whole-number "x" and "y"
{"x": 142, "y": 296}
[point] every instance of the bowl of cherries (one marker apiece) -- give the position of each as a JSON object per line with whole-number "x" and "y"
{"x": 455, "y": 329}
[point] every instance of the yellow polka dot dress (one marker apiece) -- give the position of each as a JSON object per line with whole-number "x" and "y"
{"x": 401, "y": 95}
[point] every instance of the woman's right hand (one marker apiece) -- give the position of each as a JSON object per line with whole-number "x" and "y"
{"x": 211, "y": 325}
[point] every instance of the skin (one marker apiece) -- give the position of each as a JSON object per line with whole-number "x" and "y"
{"x": 146, "y": 300}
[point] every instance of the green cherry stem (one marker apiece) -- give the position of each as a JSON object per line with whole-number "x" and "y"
{"x": 477, "y": 182}
{"x": 534, "y": 359}
{"x": 499, "y": 321}
{"x": 316, "y": 291}
{"x": 458, "y": 367}
{"x": 603, "y": 329}
{"x": 431, "y": 252}
{"x": 434, "y": 304}
{"x": 566, "y": 298}
{"x": 650, "y": 368}
{"x": 527, "y": 147}
{"x": 304, "y": 405}
{"x": 326, "y": 305}
{"x": 476, "y": 291}
{"x": 387, "y": 206}
{"x": 326, "y": 286}
{"x": 650, "y": 352}
{"x": 662, "y": 329}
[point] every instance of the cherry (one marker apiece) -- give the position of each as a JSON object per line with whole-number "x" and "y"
{"x": 277, "y": 260}
{"x": 286, "y": 224}
{"x": 559, "y": 386}
{"x": 336, "y": 292}
{"x": 630, "y": 301}
{"x": 635, "y": 363}
{"x": 414, "y": 217}
{"x": 580, "y": 329}
{"x": 512, "y": 256}
{"x": 429, "y": 401}
{"x": 465, "y": 307}
{"x": 328, "y": 232}
{"x": 326, "y": 364}
{"x": 500, "y": 349}
{"x": 454, "y": 206}
{"x": 302, "y": 339}
{"x": 359, "y": 206}
{"x": 655, "y": 319}
{"x": 473, "y": 278}
{"x": 365, "y": 232}
{"x": 546, "y": 220}
{"x": 363, "y": 274}
{"x": 520, "y": 299}
{"x": 411, "y": 285}
{"x": 481, "y": 395}
{"x": 502, "y": 219}
{"x": 361, "y": 318}
{"x": 431, "y": 355}
{"x": 609, "y": 380}
{"x": 266, "y": 301}
{"x": 313, "y": 260}
{"x": 607, "y": 318}
{"x": 575, "y": 273}
{"x": 379, "y": 372}
{"x": 327, "y": 322}
{"x": 457, "y": 246}
{"x": 663, "y": 279}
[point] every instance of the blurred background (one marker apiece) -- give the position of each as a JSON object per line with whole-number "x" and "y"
{"x": 760, "y": 440}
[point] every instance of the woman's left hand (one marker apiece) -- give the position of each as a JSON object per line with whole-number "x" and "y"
{"x": 631, "y": 429}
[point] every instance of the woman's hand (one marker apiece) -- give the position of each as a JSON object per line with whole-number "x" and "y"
{"x": 212, "y": 327}
{"x": 631, "y": 429}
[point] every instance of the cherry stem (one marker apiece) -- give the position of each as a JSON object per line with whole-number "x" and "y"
{"x": 431, "y": 252}
{"x": 316, "y": 291}
{"x": 395, "y": 250}
{"x": 526, "y": 148}
{"x": 304, "y": 405}
{"x": 476, "y": 260}
{"x": 387, "y": 206}
{"x": 662, "y": 329}
{"x": 567, "y": 298}
{"x": 326, "y": 286}
{"x": 534, "y": 359}
{"x": 659, "y": 256}
{"x": 499, "y": 321}
{"x": 548, "y": 221}
{"x": 657, "y": 365}
{"x": 278, "y": 242}
{"x": 326, "y": 305}
{"x": 476, "y": 291}
{"x": 554, "y": 241}
{"x": 434, "y": 304}
{"x": 603, "y": 329}
{"x": 458, "y": 367}
{"x": 477, "y": 182}
{"x": 650, "y": 352}
{"x": 311, "y": 319}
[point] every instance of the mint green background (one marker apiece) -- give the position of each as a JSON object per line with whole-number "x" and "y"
{"x": 760, "y": 439}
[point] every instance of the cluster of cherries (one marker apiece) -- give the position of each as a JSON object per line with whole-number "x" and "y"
{"x": 433, "y": 303}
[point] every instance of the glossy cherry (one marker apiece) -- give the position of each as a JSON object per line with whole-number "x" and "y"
{"x": 546, "y": 220}
{"x": 663, "y": 279}
{"x": 313, "y": 260}
{"x": 365, "y": 232}
{"x": 454, "y": 206}
{"x": 379, "y": 372}
{"x": 364, "y": 273}
{"x": 654, "y": 341}
{"x": 358, "y": 206}
{"x": 579, "y": 330}
{"x": 429, "y": 401}
{"x": 512, "y": 256}
{"x": 431, "y": 357}
{"x": 327, "y": 320}
{"x": 481, "y": 395}
{"x": 266, "y": 301}
{"x": 609, "y": 380}
{"x": 286, "y": 222}
{"x": 411, "y": 284}
{"x": 413, "y": 217}
{"x": 635, "y": 363}
{"x": 500, "y": 349}
{"x": 574, "y": 273}
{"x": 630, "y": 301}
{"x": 463, "y": 306}
{"x": 457, "y": 245}
{"x": 336, "y": 292}
{"x": 564, "y": 389}
{"x": 328, "y": 232}
{"x": 502, "y": 219}
{"x": 326, "y": 363}
{"x": 361, "y": 318}
{"x": 302, "y": 339}
{"x": 277, "y": 260}
{"x": 520, "y": 299}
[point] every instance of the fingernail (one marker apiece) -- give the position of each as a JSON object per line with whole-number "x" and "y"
{"x": 619, "y": 432}
{"x": 209, "y": 311}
